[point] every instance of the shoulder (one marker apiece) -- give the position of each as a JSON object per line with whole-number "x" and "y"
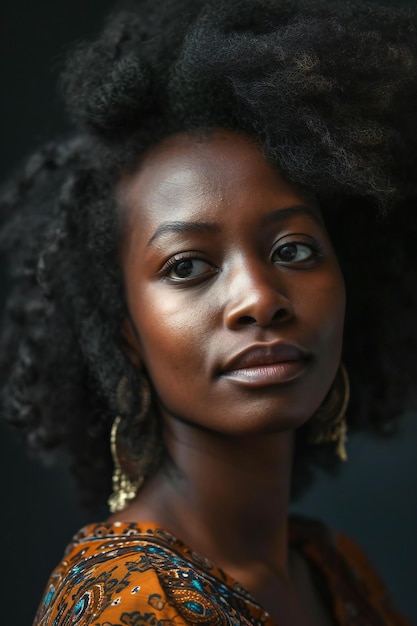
{"x": 355, "y": 587}
{"x": 107, "y": 577}
{"x": 130, "y": 574}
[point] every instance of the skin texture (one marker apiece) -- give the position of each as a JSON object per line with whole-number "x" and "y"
{"x": 250, "y": 266}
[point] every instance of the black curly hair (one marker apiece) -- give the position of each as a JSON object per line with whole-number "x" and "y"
{"x": 329, "y": 92}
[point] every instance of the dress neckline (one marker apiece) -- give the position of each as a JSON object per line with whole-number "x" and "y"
{"x": 300, "y": 534}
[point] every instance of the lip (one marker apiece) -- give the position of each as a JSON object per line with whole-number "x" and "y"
{"x": 266, "y": 364}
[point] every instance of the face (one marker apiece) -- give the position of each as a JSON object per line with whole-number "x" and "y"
{"x": 235, "y": 295}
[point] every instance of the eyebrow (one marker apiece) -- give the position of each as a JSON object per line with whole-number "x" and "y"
{"x": 278, "y": 215}
{"x": 183, "y": 227}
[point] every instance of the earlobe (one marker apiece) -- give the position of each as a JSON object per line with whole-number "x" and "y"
{"x": 131, "y": 345}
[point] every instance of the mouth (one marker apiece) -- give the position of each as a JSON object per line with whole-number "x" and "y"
{"x": 264, "y": 365}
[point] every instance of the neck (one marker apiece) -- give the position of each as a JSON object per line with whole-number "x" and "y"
{"x": 227, "y": 497}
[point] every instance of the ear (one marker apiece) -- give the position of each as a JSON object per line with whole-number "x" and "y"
{"x": 131, "y": 344}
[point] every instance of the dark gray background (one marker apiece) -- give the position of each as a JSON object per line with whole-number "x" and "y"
{"x": 375, "y": 497}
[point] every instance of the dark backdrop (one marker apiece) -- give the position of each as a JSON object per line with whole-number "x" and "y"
{"x": 375, "y": 497}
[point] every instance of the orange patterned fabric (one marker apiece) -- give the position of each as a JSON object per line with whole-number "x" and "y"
{"x": 128, "y": 574}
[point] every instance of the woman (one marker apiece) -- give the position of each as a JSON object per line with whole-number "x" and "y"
{"x": 179, "y": 309}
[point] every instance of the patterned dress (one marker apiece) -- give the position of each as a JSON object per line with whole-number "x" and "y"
{"x": 129, "y": 574}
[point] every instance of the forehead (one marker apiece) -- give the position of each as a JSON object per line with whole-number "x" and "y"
{"x": 193, "y": 177}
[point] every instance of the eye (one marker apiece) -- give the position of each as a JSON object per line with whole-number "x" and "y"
{"x": 294, "y": 252}
{"x": 183, "y": 269}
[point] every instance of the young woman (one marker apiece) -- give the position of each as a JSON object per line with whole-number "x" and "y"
{"x": 179, "y": 320}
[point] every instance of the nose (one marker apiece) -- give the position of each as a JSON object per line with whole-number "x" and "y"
{"x": 255, "y": 296}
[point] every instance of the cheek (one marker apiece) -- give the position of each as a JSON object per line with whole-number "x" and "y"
{"x": 328, "y": 300}
{"x": 170, "y": 337}
{"x": 321, "y": 312}
{"x": 320, "y": 308}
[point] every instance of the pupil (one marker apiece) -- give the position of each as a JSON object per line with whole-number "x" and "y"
{"x": 184, "y": 268}
{"x": 288, "y": 252}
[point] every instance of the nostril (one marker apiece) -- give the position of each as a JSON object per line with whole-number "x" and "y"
{"x": 279, "y": 315}
{"x": 245, "y": 320}
{"x": 260, "y": 307}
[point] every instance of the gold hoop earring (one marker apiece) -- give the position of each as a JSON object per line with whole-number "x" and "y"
{"x": 125, "y": 487}
{"x": 328, "y": 424}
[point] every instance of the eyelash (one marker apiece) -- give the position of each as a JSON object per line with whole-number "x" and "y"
{"x": 177, "y": 259}
{"x": 174, "y": 261}
{"x": 313, "y": 245}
